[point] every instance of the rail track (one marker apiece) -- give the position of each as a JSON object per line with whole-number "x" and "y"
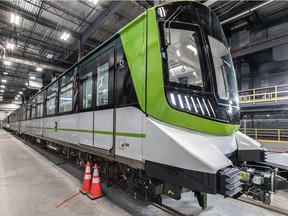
{"x": 268, "y": 207}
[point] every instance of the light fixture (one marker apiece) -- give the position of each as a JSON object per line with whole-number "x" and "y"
{"x": 5, "y": 73}
{"x": 95, "y": 2}
{"x": 7, "y": 62}
{"x": 10, "y": 46}
{"x": 1, "y": 90}
{"x": 15, "y": 19}
{"x": 193, "y": 49}
{"x": 26, "y": 84}
{"x": 32, "y": 77}
{"x": 178, "y": 53}
{"x": 20, "y": 92}
{"x": 39, "y": 69}
{"x": 2, "y": 86}
{"x": 65, "y": 36}
{"x": 49, "y": 56}
{"x": 18, "y": 96}
{"x": 4, "y": 81}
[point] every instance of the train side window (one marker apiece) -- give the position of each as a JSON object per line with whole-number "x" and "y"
{"x": 24, "y": 113}
{"x": 102, "y": 84}
{"x": 51, "y": 104}
{"x": 33, "y": 111}
{"x": 28, "y": 112}
{"x": 40, "y": 105}
{"x": 65, "y": 98}
{"x": 86, "y": 90}
{"x": 51, "y": 99}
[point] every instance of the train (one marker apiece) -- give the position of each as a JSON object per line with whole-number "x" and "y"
{"x": 157, "y": 106}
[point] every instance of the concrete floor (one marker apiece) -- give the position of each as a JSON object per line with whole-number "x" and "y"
{"x": 275, "y": 146}
{"x": 31, "y": 185}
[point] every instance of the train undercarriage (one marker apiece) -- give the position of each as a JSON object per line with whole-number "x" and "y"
{"x": 256, "y": 181}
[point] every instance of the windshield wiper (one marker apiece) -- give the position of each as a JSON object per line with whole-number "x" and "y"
{"x": 170, "y": 19}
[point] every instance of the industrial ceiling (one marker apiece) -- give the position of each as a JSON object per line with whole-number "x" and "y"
{"x": 48, "y": 37}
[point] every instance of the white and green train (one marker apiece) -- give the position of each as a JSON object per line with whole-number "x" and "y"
{"x": 157, "y": 106}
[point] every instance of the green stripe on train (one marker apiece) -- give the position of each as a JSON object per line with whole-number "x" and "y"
{"x": 136, "y": 135}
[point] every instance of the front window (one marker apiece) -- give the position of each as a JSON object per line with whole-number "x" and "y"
{"x": 183, "y": 58}
{"x": 198, "y": 70}
{"x": 224, "y": 71}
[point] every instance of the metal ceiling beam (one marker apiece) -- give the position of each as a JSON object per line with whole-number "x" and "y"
{"x": 36, "y": 64}
{"x": 252, "y": 48}
{"x": 68, "y": 13}
{"x": 35, "y": 41}
{"x": 30, "y": 16}
{"x": 97, "y": 22}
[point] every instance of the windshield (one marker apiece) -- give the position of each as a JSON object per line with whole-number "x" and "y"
{"x": 183, "y": 58}
{"x": 224, "y": 71}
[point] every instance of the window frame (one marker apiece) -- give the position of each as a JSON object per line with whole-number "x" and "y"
{"x": 46, "y": 114}
{"x": 108, "y": 56}
{"x": 43, "y": 104}
{"x": 59, "y": 91}
{"x": 28, "y": 117}
{"x": 56, "y": 98}
{"x": 86, "y": 69}
{"x": 33, "y": 106}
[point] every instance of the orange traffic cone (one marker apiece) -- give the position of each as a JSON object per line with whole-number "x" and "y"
{"x": 87, "y": 179}
{"x": 96, "y": 191}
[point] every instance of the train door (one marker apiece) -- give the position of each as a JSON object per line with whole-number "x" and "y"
{"x": 103, "y": 127}
{"x": 85, "y": 119}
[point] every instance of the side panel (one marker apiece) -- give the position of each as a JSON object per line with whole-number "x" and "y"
{"x": 183, "y": 148}
{"x": 103, "y": 129}
{"x": 62, "y": 128}
{"x": 130, "y": 134}
{"x": 85, "y": 123}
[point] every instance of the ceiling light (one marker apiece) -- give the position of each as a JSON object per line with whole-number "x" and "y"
{"x": 49, "y": 56}
{"x": 39, "y": 69}
{"x": 15, "y": 19}
{"x": 65, "y": 36}
{"x": 20, "y": 92}
{"x": 24, "y": 88}
{"x": 18, "y": 96}
{"x": 178, "y": 53}
{"x": 7, "y": 62}
{"x": 1, "y": 90}
{"x": 32, "y": 77}
{"x": 2, "y": 86}
{"x": 10, "y": 46}
{"x": 26, "y": 84}
{"x": 95, "y": 2}
{"x": 1, "y": 96}
{"x": 5, "y": 73}
{"x": 193, "y": 49}
{"x": 4, "y": 81}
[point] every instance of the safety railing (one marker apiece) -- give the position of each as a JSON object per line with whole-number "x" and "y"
{"x": 270, "y": 93}
{"x": 267, "y": 135}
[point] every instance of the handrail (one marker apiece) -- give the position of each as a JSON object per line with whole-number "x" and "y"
{"x": 267, "y": 134}
{"x": 264, "y": 94}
